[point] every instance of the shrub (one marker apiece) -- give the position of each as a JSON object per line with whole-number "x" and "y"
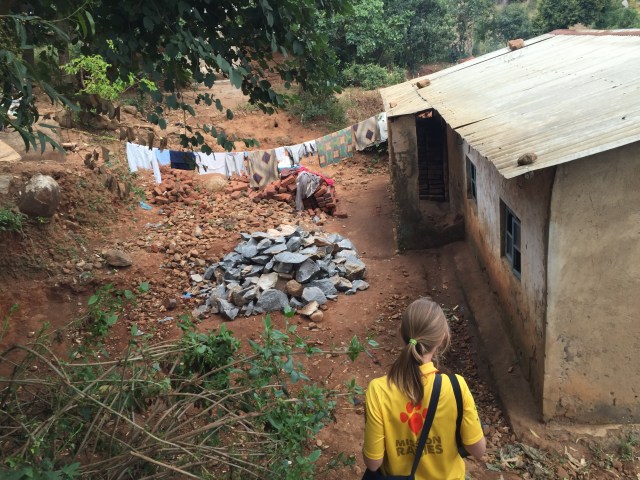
{"x": 371, "y": 76}
{"x": 10, "y": 221}
{"x": 320, "y": 107}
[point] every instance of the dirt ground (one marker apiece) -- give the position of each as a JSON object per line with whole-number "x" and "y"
{"x": 46, "y": 273}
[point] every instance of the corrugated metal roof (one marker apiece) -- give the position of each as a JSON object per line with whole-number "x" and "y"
{"x": 561, "y": 97}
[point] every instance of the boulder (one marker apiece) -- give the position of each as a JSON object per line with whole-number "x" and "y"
{"x": 117, "y": 258}
{"x": 227, "y": 309}
{"x": 355, "y": 269}
{"x": 272, "y": 300}
{"x": 267, "y": 281}
{"x": 307, "y": 270}
{"x": 289, "y": 257}
{"x": 294, "y": 288}
{"x": 311, "y": 294}
{"x": 213, "y": 182}
{"x": 40, "y": 197}
{"x": 309, "y": 309}
{"x": 327, "y": 287}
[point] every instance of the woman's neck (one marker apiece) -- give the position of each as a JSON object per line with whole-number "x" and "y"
{"x": 427, "y": 357}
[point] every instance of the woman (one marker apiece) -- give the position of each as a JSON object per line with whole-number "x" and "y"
{"x": 396, "y": 405}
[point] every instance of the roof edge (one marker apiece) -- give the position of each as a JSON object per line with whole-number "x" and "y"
{"x": 629, "y": 32}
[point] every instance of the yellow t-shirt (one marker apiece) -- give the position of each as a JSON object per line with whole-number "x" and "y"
{"x": 393, "y": 427}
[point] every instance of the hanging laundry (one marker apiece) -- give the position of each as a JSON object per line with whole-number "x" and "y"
{"x": 137, "y": 157}
{"x": 163, "y": 156}
{"x": 310, "y": 147}
{"x": 211, "y": 163}
{"x": 382, "y": 126}
{"x": 182, "y": 160}
{"x": 141, "y": 157}
{"x": 235, "y": 163}
{"x": 283, "y": 158}
{"x": 326, "y": 179}
{"x": 366, "y": 133}
{"x": 335, "y": 147}
{"x": 263, "y": 168}
{"x": 296, "y": 152}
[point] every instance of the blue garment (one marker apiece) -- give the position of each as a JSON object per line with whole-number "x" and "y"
{"x": 182, "y": 160}
{"x": 163, "y": 156}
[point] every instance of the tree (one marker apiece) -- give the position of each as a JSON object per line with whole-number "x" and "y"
{"x": 604, "y": 14}
{"x": 468, "y": 15}
{"x": 170, "y": 41}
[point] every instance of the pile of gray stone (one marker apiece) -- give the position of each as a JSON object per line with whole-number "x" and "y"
{"x": 284, "y": 267}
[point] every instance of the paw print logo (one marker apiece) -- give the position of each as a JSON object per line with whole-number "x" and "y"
{"x": 414, "y": 416}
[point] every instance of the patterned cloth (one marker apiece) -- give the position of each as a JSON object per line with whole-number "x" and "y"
{"x": 335, "y": 147}
{"x": 263, "y": 168}
{"x": 366, "y": 133}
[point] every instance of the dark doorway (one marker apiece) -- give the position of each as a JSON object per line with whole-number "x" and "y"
{"x": 432, "y": 157}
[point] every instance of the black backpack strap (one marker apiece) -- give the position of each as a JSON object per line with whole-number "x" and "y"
{"x": 457, "y": 392}
{"x": 431, "y": 413}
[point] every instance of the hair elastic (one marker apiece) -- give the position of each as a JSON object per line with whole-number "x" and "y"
{"x": 413, "y": 341}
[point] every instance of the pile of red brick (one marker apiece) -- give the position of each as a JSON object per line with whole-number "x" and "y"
{"x": 284, "y": 190}
{"x": 176, "y": 186}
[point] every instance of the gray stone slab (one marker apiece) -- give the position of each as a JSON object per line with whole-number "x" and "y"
{"x": 355, "y": 269}
{"x": 311, "y": 294}
{"x": 272, "y": 300}
{"x": 293, "y": 244}
{"x": 264, "y": 244}
{"x": 267, "y": 281}
{"x": 289, "y": 257}
{"x": 227, "y": 310}
{"x": 261, "y": 259}
{"x": 326, "y": 285}
{"x": 307, "y": 271}
{"x": 282, "y": 267}
{"x": 275, "y": 249}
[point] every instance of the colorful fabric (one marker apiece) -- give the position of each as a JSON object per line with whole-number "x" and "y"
{"x": 211, "y": 163}
{"x": 393, "y": 427}
{"x": 366, "y": 133}
{"x": 182, "y": 160}
{"x": 263, "y": 168}
{"x": 235, "y": 163}
{"x": 335, "y": 147}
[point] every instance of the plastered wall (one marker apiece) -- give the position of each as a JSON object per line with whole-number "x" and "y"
{"x": 524, "y": 298}
{"x": 593, "y": 332}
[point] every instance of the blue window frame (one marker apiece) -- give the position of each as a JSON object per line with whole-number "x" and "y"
{"x": 472, "y": 190}
{"x": 512, "y": 237}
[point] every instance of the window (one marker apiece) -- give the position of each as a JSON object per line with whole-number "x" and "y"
{"x": 512, "y": 240}
{"x": 472, "y": 191}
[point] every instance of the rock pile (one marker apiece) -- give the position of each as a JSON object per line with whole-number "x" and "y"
{"x": 177, "y": 186}
{"x": 288, "y": 267}
{"x": 323, "y": 198}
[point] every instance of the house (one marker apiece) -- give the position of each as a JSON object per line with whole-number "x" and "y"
{"x": 533, "y": 156}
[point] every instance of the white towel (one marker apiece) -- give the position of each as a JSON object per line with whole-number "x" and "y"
{"x": 382, "y": 126}
{"x": 141, "y": 157}
{"x": 211, "y": 163}
{"x": 282, "y": 158}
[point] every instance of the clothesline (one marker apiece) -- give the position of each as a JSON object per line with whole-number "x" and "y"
{"x": 263, "y": 165}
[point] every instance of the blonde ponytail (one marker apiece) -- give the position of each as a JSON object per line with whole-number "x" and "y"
{"x": 423, "y": 328}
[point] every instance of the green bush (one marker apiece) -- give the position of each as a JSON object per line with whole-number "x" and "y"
{"x": 10, "y": 221}
{"x": 319, "y": 107}
{"x": 371, "y": 76}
